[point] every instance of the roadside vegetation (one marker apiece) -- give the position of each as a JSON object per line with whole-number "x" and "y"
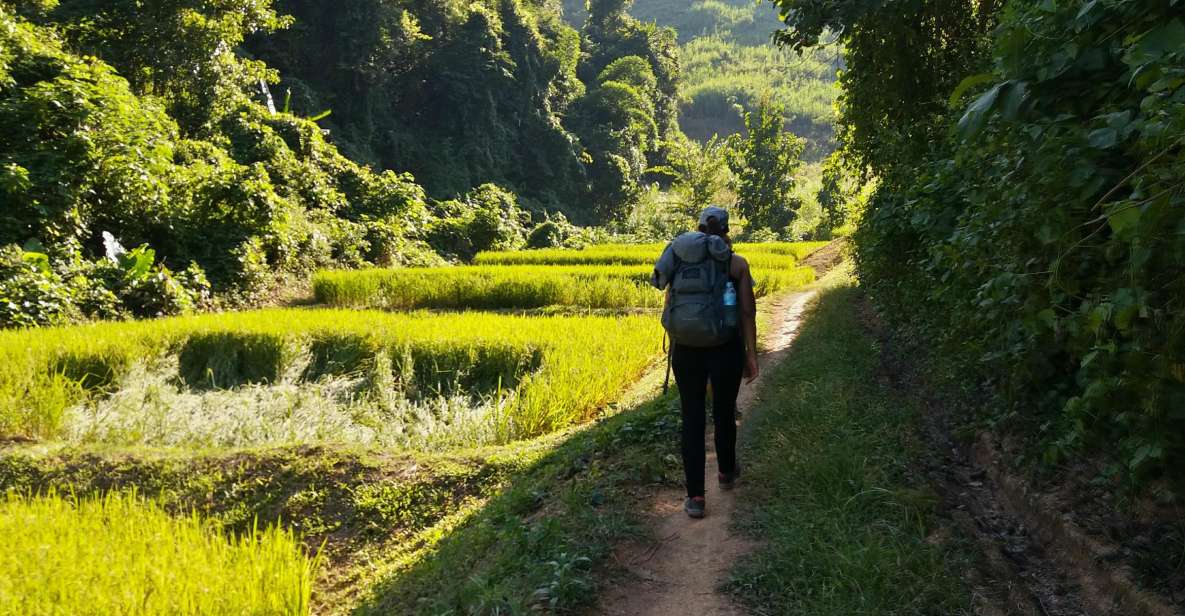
{"x": 843, "y": 521}
{"x": 1026, "y": 221}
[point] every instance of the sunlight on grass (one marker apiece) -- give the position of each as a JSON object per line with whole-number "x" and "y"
{"x": 842, "y": 522}
{"x": 123, "y": 555}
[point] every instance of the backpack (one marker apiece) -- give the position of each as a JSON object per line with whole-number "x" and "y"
{"x": 695, "y": 315}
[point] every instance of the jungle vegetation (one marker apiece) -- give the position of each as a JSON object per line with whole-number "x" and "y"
{"x": 174, "y": 156}
{"x": 1027, "y": 217}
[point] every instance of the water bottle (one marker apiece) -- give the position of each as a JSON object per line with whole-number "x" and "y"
{"x": 730, "y": 305}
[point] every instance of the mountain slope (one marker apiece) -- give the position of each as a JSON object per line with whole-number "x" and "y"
{"x": 727, "y": 59}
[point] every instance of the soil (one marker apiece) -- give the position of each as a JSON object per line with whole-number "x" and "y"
{"x": 827, "y": 257}
{"x": 681, "y": 571}
{"x": 1033, "y": 556}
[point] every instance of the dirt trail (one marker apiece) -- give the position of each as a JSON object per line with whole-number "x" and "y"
{"x": 680, "y": 573}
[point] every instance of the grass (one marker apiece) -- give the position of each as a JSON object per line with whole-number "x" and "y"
{"x": 122, "y": 555}
{"x": 842, "y": 522}
{"x": 520, "y": 286}
{"x": 534, "y": 374}
{"x": 540, "y": 543}
{"x": 760, "y": 256}
{"x": 507, "y": 529}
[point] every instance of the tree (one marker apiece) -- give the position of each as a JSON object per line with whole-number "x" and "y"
{"x": 702, "y": 175}
{"x": 902, "y": 58}
{"x": 764, "y": 161}
{"x": 836, "y": 192}
{"x": 180, "y": 51}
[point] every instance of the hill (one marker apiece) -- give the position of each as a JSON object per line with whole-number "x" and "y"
{"x": 727, "y": 59}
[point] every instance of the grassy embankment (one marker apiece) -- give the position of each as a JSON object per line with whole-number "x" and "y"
{"x": 842, "y": 520}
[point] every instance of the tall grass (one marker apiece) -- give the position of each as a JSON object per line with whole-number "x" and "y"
{"x": 123, "y": 555}
{"x": 536, "y": 374}
{"x": 524, "y": 286}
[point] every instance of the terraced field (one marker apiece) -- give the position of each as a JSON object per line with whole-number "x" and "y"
{"x": 146, "y": 421}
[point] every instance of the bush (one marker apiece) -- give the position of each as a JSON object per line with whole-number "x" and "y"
{"x": 554, "y": 232}
{"x": 488, "y": 218}
{"x": 1043, "y": 239}
{"x": 31, "y": 294}
{"x": 124, "y": 284}
{"x": 248, "y": 195}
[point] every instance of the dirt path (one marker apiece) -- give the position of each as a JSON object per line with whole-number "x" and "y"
{"x": 680, "y": 573}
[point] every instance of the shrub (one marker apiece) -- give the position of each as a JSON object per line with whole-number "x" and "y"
{"x": 31, "y": 293}
{"x": 553, "y": 232}
{"x": 488, "y": 218}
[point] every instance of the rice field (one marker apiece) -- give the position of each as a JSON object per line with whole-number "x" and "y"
{"x": 123, "y": 555}
{"x": 760, "y": 255}
{"x": 371, "y": 368}
{"x": 527, "y": 375}
{"x": 519, "y": 286}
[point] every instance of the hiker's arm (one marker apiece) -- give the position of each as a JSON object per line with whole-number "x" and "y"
{"x": 748, "y": 307}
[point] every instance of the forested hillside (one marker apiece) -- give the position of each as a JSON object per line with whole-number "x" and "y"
{"x": 727, "y": 59}
{"x": 229, "y": 146}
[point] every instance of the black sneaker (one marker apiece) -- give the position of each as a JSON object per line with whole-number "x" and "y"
{"x": 694, "y": 507}
{"x": 728, "y": 480}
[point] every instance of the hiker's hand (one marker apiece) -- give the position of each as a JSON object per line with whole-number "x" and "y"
{"x": 752, "y": 370}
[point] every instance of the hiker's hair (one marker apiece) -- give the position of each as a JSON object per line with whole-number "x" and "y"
{"x": 713, "y": 227}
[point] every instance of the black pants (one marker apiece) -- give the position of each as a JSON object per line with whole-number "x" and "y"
{"x": 694, "y": 367}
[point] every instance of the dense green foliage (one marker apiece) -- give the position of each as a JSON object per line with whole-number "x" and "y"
{"x": 156, "y": 122}
{"x": 240, "y": 194}
{"x": 1034, "y": 229}
{"x": 465, "y": 93}
{"x": 726, "y": 60}
{"x": 719, "y": 73}
{"x": 458, "y": 93}
{"x": 765, "y": 162}
{"x": 120, "y": 554}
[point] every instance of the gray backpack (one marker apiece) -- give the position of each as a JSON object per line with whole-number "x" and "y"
{"x": 695, "y": 313}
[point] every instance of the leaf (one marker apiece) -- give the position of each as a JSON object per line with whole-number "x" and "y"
{"x": 39, "y": 260}
{"x": 1014, "y": 98}
{"x": 1103, "y": 138}
{"x": 976, "y": 115}
{"x": 1144, "y": 453}
{"x": 956, "y": 97}
{"x": 137, "y": 264}
{"x": 1124, "y": 218}
{"x": 1168, "y": 38}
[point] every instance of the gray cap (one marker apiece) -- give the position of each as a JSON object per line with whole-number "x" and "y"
{"x": 720, "y": 214}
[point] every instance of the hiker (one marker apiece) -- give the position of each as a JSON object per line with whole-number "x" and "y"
{"x": 711, "y": 317}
